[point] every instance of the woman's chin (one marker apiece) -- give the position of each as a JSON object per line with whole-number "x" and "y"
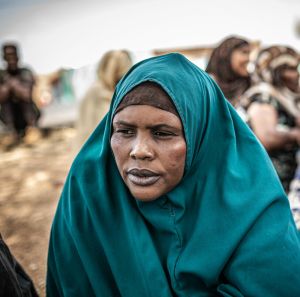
{"x": 145, "y": 195}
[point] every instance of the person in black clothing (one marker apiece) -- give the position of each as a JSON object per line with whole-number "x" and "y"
{"x": 14, "y": 281}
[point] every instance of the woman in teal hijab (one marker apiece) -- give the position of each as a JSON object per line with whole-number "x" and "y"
{"x": 207, "y": 218}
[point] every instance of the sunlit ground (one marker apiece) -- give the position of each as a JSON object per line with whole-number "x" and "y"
{"x": 31, "y": 179}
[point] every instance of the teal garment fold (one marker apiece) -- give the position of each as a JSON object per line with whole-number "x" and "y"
{"x": 225, "y": 230}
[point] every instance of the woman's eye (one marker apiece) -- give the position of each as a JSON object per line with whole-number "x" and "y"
{"x": 125, "y": 131}
{"x": 163, "y": 133}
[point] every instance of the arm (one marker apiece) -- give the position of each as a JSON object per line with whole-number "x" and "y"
{"x": 4, "y": 87}
{"x": 263, "y": 119}
{"x": 22, "y": 90}
{"x": 4, "y": 92}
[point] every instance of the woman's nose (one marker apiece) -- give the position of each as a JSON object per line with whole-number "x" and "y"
{"x": 141, "y": 149}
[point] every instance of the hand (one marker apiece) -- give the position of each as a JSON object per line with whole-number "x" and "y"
{"x": 14, "y": 83}
{"x": 19, "y": 89}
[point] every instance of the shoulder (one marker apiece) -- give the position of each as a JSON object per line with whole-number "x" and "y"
{"x": 261, "y": 109}
{"x": 261, "y": 94}
{"x": 27, "y": 74}
{"x": 26, "y": 71}
{"x": 3, "y": 73}
{"x": 213, "y": 76}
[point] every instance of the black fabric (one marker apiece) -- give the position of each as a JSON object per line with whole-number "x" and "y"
{"x": 14, "y": 282}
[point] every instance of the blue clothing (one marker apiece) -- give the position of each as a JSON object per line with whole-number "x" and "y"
{"x": 225, "y": 230}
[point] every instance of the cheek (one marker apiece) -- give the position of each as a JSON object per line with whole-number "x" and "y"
{"x": 233, "y": 64}
{"x": 292, "y": 76}
{"x": 245, "y": 61}
{"x": 176, "y": 158}
{"x": 119, "y": 150}
{"x": 240, "y": 63}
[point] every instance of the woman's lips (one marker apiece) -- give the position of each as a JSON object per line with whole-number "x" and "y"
{"x": 142, "y": 177}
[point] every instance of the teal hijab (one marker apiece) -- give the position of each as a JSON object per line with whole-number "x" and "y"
{"x": 225, "y": 230}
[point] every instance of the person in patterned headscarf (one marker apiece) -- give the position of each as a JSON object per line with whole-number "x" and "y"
{"x": 273, "y": 107}
{"x": 228, "y": 66}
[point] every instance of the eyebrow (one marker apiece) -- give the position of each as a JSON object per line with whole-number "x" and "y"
{"x": 159, "y": 126}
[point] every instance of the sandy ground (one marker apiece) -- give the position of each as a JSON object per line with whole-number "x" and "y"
{"x": 31, "y": 180}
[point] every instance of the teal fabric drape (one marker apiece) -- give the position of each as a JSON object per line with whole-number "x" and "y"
{"x": 225, "y": 230}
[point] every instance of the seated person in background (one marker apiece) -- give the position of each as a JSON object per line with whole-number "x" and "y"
{"x": 172, "y": 195}
{"x": 273, "y": 108}
{"x": 228, "y": 67}
{"x": 18, "y": 112}
{"x": 112, "y": 66}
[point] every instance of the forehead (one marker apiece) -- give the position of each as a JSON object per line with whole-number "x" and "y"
{"x": 145, "y": 115}
{"x": 291, "y": 68}
{"x": 243, "y": 48}
{"x": 10, "y": 51}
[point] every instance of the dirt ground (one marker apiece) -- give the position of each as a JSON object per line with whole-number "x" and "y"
{"x": 31, "y": 180}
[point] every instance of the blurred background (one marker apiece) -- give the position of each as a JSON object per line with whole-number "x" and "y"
{"x": 62, "y": 42}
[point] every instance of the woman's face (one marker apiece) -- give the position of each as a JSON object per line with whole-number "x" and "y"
{"x": 240, "y": 60}
{"x": 11, "y": 58}
{"x": 290, "y": 78}
{"x": 149, "y": 147}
